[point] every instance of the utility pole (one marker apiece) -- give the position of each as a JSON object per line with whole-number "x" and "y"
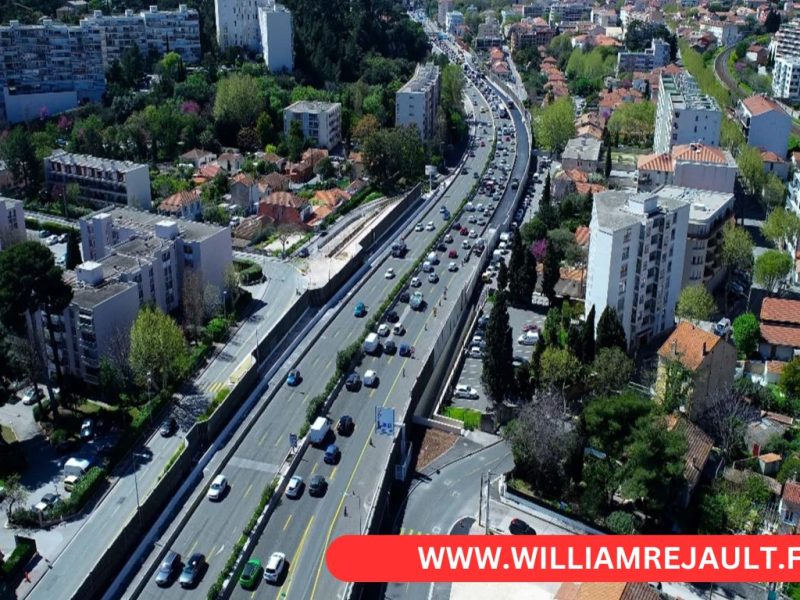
{"x": 488, "y": 493}
{"x": 480, "y": 501}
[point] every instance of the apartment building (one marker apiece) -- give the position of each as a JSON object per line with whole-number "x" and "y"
{"x": 727, "y": 33}
{"x": 636, "y": 260}
{"x": 684, "y": 114}
{"x": 569, "y": 11}
{"x": 709, "y": 211}
{"x": 444, "y": 7}
{"x": 454, "y": 21}
{"x": 237, "y": 25}
{"x": 99, "y": 179}
{"x": 693, "y": 165}
{"x": 786, "y": 78}
{"x": 489, "y": 35}
{"x": 277, "y": 42}
{"x": 417, "y": 101}
{"x": 764, "y": 123}
{"x": 152, "y": 31}
{"x": 657, "y": 55}
{"x": 604, "y": 16}
{"x": 786, "y": 42}
{"x": 48, "y": 68}
{"x": 321, "y": 121}
{"x": 12, "y": 222}
{"x": 530, "y": 33}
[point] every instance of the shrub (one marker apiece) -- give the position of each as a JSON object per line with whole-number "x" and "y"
{"x": 216, "y": 329}
{"x": 58, "y": 436}
{"x": 24, "y": 517}
{"x": 621, "y": 523}
{"x": 471, "y": 418}
{"x": 37, "y": 410}
{"x": 219, "y": 398}
{"x": 315, "y": 406}
{"x": 23, "y": 552}
{"x": 84, "y": 488}
{"x": 347, "y": 357}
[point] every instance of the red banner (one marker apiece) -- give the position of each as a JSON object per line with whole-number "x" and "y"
{"x": 563, "y": 558}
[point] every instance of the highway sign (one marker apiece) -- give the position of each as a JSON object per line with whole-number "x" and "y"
{"x": 384, "y": 420}
{"x": 293, "y": 441}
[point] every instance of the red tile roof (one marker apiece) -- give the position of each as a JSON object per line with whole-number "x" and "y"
{"x": 285, "y": 199}
{"x": 759, "y": 104}
{"x": 582, "y": 235}
{"x": 176, "y": 202}
{"x": 606, "y": 591}
{"x": 699, "y": 153}
{"x": 243, "y": 178}
{"x": 689, "y": 344}
{"x": 699, "y": 446}
{"x": 770, "y": 156}
{"x": 655, "y": 162}
{"x": 331, "y": 198}
{"x": 779, "y": 335}
{"x": 791, "y": 492}
{"x": 781, "y": 310}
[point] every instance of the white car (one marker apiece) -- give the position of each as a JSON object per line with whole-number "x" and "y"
{"x": 466, "y": 391}
{"x": 430, "y": 226}
{"x": 218, "y": 487}
{"x": 398, "y": 329}
{"x": 274, "y": 567}
{"x": 473, "y": 234}
{"x": 529, "y": 338}
{"x": 448, "y": 239}
{"x": 466, "y": 245}
{"x": 419, "y": 226}
{"x": 415, "y": 282}
{"x": 452, "y": 267}
{"x": 383, "y": 330}
{"x": 477, "y": 340}
{"x": 295, "y": 487}
{"x": 371, "y": 378}
{"x": 433, "y": 278}
{"x": 475, "y": 352}
{"x": 30, "y": 396}
{"x": 389, "y": 273}
{"x": 52, "y": 240}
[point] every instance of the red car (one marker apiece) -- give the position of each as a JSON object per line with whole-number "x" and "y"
{"x": 530, "y": 327}
{"x": 452, "y": 254}
{"x": 464, "y": 231}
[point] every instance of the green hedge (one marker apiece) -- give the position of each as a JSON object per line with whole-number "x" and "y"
{"x": 470, "y": 417}
{"x": 16, "y": 561}
{"x": 219, "y": 398}
{"x": 84, "y": 489}
{"x": 36, "y": 225}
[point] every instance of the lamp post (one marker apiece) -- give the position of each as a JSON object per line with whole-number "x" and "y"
{"x": 358, "y": 496}
{"x": 225, "y": 304}
{"x": 134, "y": 456}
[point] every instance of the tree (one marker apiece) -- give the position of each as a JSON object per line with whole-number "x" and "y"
{"x": 19, "y": 154}
{"x": 737, "y": 247}
{"x": 560, "y": 368}
{"x": 15, "y": 492}
{"x": 265, "y": 128}
{"x": 295, "y": 141}
{"x": 610, "y": 333}
{"x": 544, "y": 443}
{"x": 158, "y": 348}
{"x": 555, "y": 125}
{"x": 724, "y": 416}
{"x": 502, "y": 277}
{"x": 677, "y": 386}
{"x": 695, "y": 303}
{"x": 551, "y": 273}
{"x": 612, "y": 369}
{"x": 751, "y": 168}
{"x": 771, "y": 268}
{"x": 746, "y": 334}
{"x": 633, "y": 123}
{"x": 621, "y": 523}
{"x": 587, "y": 335}
{"x": 519, "y": 288}
{"x": 773, "y": 22}
{"x": 781, "y": 225}
{"x": 498, "y": 359}
{"x": 366, "y": 126}
{"x": 285, "y": 232}
{"x": 774, "y": 192}
{"x": 192, "y": 302}
{"x": 607, "y": 168}
{"x": 394, "y": 156}
{"x": 239, "y": 101}
{"x": 611, "y": 420}
{"x": 325, "y": 169}
{"x": 73, "y": 256}
{"x": 655, "y": 464}
{"x": 790, "y": 378}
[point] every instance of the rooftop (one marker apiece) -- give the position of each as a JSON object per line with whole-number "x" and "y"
{"x": 704, "y": 205}
{"x": 620, "y": 209}
{"x": 583, "y": 148}
{"x": 606, "y": 591}
{"x": 144, "y": 223}
{"x": 699, "y": 446}
{"x": 176, "y": 202}
{"x": 88, "y": 297}
{"x": 689, "y": 344}
{"x": 95, "y": 162}
{"x": 759, "y": 104}
{"x": 684, "y": 93}
{"x": 791, "y": 492}
{"x": 316, "y": 106}
{"x": 782, "y": 310}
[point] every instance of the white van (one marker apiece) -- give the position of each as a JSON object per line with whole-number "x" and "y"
{"x": 77, "y": 467}
{"x": 427, "y": 267}
{"x": 433, "y": 258}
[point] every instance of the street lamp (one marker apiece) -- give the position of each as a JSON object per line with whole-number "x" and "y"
{"x": 134, "y": 456}
{"x": 359, "y": 511}
{"x": 225, "y": 304}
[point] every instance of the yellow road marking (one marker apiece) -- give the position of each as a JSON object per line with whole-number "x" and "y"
{"x": 289, "y": 520}
{"x": 293, "y": 564}
{"x": 247, "y": 491}
{"x": 333, "y": 473}
{"x": 314, "y": 468}
{"x": 277, "y": 442}
{"x": 263, "y": 437}
{"x": 191, "y": 550}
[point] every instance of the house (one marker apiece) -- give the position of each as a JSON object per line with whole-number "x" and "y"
{"x": 757, "y": 54}
{"x": 232, "y": 162}
{"x": 775, "y": 165}
{"x": 780, "y": 328}
{"x": 206, "y": 173}
{"x": 185, "y": 204}
{"x": 763, "y": 428}
{"x": 300, "y": 172}
{"x": 250, "y": 229}
{"x": 606, "y": 591}
{"x": 765, "y": 124}
{"x": 285, "y": 208}
{"x": 740, "y": 477}
{"x": 198, "y": 157}
{"x": 583, "y": 154}
{"x": 574, "y": 182}
{"x": 357, "y": 167}
{"x": 314, "y": 155}
{"x": 710, "y": 360}
{"x": 696, "y": 459}
{"x": 612, "y": 100}
{"x": 769, "y": 463}
{"x": 695, "y": 165}
{"x": 273, "y": 159}
{"x": 244, "y": 192}
{"x": 789, "y": 508}
{"x": 272, "y": 182}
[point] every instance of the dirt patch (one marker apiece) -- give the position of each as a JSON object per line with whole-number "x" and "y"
{"x": 435, "y": 443}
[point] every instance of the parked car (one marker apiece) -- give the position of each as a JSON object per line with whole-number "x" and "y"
{"x": 251, "y": 573}
{"x": 520, "y": 527}
{"x": 275, "y": 567}
{"x": 168, "y": 427}
{"x": 192, "y": 570}
{"x": 46, "y": 502}
{"x": 345, "y": 426}
{"x": 360, "y": 310}
{"x": 475, "y": 352}
{"x": 294, "y": 488}
{"x": 389, "y": 347}
{"x": 168, "y": 569}
{"x": 722, "y": 327}
{"x": 293, "y": 378}
{"x": 529, "y": 338}
{"x": 466, "y": 391}
{"x": 317, "y": 486}
{"x": 332, "y": 455}
{"x": 31, "y": 396}
{"x": 218, "y": 487}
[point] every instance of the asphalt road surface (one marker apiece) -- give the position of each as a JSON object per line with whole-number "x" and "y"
{"x": 214, "y": 528}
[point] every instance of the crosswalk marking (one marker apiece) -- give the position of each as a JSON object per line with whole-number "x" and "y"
{"x": 216, "y": 386}
{"x": 404, "y": 531}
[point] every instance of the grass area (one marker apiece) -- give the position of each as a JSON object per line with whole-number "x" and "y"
{"x": 469, "y": 416}
{"x": 7, "y": 434}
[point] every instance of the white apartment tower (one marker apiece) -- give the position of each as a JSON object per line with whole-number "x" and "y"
{"x": 12, "y": 222}
{"x": 786, "y": 78}
{"x": 417, "y": 101}
{"x": 237, "y": 25}
{"x": 636, "y": 260}
{"x": 444, "y": 7}
{"x": 320, "y": 121}
{"x": 275, "y": 26}
{"x": 684, "y": 114}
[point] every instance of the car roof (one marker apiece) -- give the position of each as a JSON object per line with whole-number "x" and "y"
{"x": 274, "y": 560}
{"x": 218, "y": 479}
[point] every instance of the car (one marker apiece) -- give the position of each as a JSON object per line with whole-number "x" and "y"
{"x": 389, "y": 273}
{"x": 251, "y": 573}
{"x": 456, "y": 226}
{"x": 371, "y": 378}
{"x": 275, "y": 567}
{"x": 453, "y": 253}
{"x": 345, "y": 425}
{"x": 452, "y": 267}
{"x": 360, "y": 310}
{"x": 294, "y": 489}
{"x": 441, "y": 247}
{"x": 404, "y": 350}
{"x": 472, "y": 219}
{"x": 168, "y": 427}
{"x": 473, "y": 234}
{"x": 353, "y": 382}
{"x": 448, "y": 239}
{"x": 392, "y": 316}
{"x": 303, "y": 253}
{"x": 529, "y": 338}
{"x": 192, "y": 570}
{"x": 217, "y": 488}
{"x": 475, "y": 352}
{"x": 399, "y": 329}
{"x": 433, "y": 278}
{"x": 530, "y": 327}
{"x": 445, "y": 215}
{"x": 430, "y": 226}
{"x": 442, "y": 209}
{"x": 481, "y": 222}
{"x": 415, "y": 282}
{"x": 419, "y": 226}
{"x": 722, "y": 327}
{"x": 520, "y": 527}
{"x": 168, "y": 569}
{"x": 466, "y": 391}
{"x": 52, "y": 240}
{"x": 417, "y": 301}
{"x": 518, "y": 361}
{"x": 464, "y": 231}
{"x": 46, "y": 502}
{"x": 383, "y": 330}
{"x": 477, "y": 340}
{"x": 87, "y": 429}
{"x": 465, "y": 244}
{"x": 317, "y": 486}
{"x": 332, "y": 455}
{"x": 404, "y": 296}
{"x": 293, "y": 378}
{"x": 31, "y": 395}
{"x": 389, "y": 347}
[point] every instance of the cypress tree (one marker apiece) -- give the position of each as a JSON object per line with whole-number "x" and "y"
{"x": 588, "y": 337}
{"x": 610, "y": 333}
{"x": 498, "y": 367}
{"x": 73, "y": 257}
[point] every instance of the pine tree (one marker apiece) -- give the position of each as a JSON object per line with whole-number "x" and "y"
{"x": 551, "y": 273}
{"x": 588, "y": 337}
{"x": 516, "y": 271}
{"x": 547, "y": 212}
{"x": 529, "y": 274}
{"x": 502, "y": 277}
{"x": 610, "y": 333}
{"x": 73, "y": 257}
{"x": 575, "y": 341}
{"x": 607, "y": 170}
{"x": 498, "y": 367}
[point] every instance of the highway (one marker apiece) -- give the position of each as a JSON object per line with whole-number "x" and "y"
{"x": 302, "y": 529}
{"x": 214, "y": 528}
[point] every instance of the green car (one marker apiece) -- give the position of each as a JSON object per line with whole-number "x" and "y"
{"x": 250, "y": 574}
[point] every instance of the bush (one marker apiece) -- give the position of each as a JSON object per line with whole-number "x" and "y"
{"x": 16, "y": 561}
{"x": 470, "y": 417}
{"x": 314, "y": 408}
{"x": 37, "y": 410}
{"x": 621, "y": 523}
{"x": 84, "y": 488}
{"x": 347, "y": 357}
{"x": 219, "y": 398}
{"x": 249, "y": 271}
{"x": 216, "y": 329}
{"x": 58, "y": 436}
